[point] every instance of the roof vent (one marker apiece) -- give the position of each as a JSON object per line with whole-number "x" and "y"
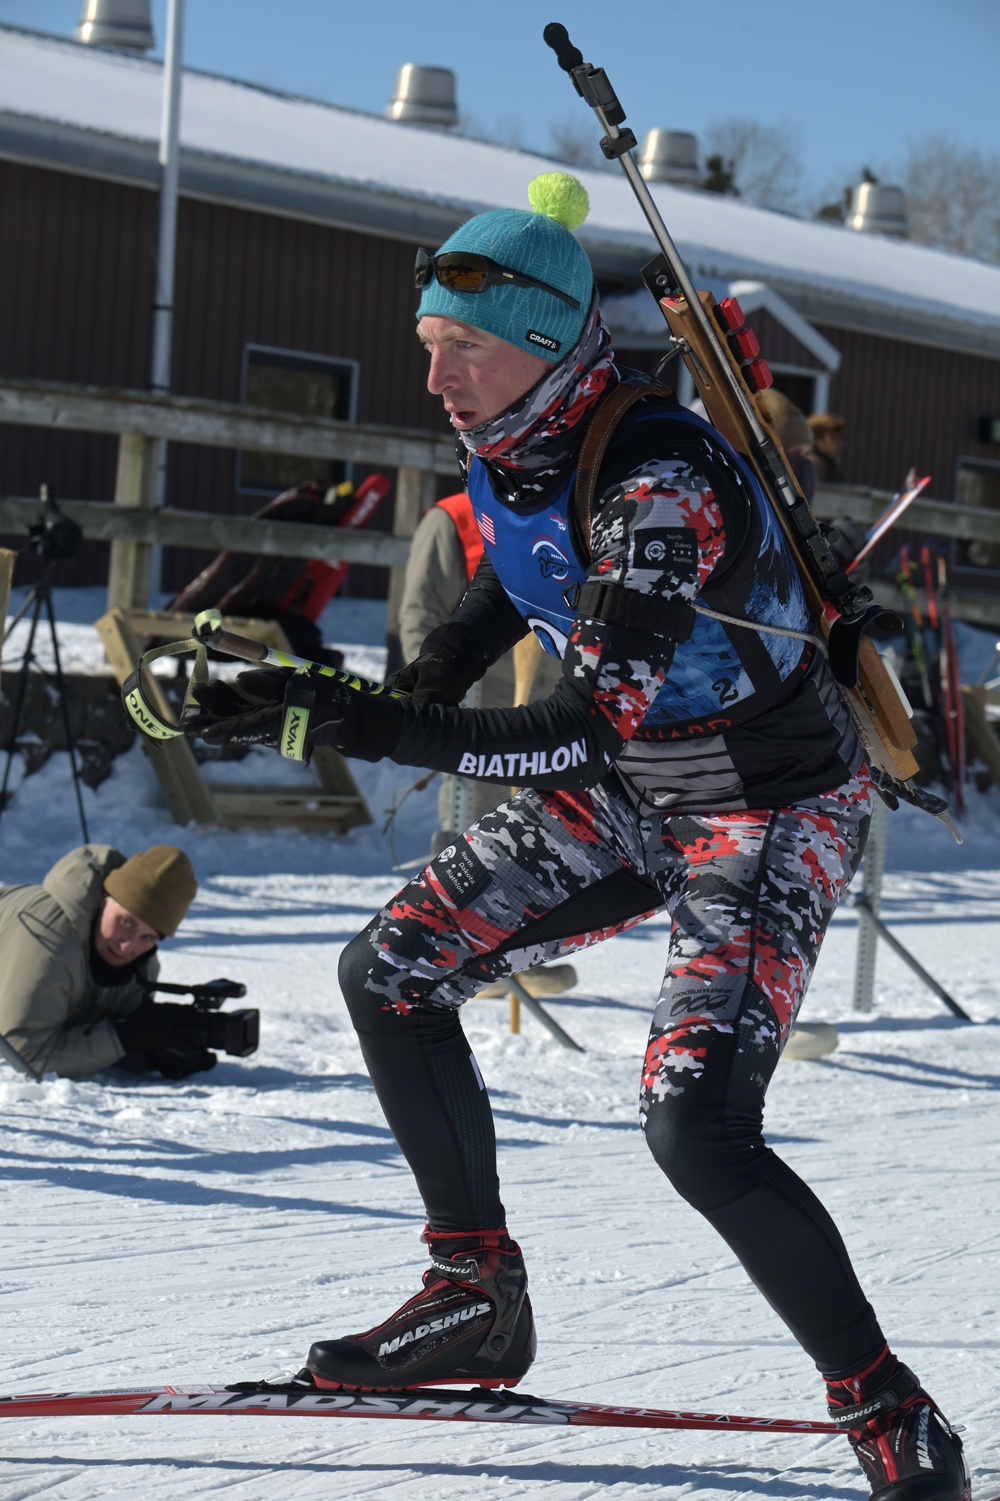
{"x": 878, "y": 210}
{"x": 670, "y": 156}
{"x": 424, "y": 96}
{"x": 125, "y": 24}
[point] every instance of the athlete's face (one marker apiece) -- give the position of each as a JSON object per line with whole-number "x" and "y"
{"x": 476, "y": 375}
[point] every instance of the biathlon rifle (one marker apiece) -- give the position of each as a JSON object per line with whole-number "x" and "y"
{"x": 722, "y": 354}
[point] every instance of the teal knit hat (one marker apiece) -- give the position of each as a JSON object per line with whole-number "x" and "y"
{"x": 538, "y": 244}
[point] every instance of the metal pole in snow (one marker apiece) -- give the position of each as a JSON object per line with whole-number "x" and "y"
{"x": 871, "y": 928}
{"x": 872, "y": 871}
{"x": 163, "y": 301}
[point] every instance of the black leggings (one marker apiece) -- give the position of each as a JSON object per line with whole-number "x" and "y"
{"x": 707, "y": 1067}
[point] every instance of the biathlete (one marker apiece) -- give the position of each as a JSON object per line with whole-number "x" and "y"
{"x": 683, "y": 763}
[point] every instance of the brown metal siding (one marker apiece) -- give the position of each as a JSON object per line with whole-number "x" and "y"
{"x": 246, "y": 278}
{"x": 778, "y": 346}
{"x": 910, "y": 404}
{"x": 75, "y": 292}
{"x": 76, "y": 287}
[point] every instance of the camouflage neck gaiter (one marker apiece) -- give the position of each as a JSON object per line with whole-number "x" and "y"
{"x": 536, "y": 435}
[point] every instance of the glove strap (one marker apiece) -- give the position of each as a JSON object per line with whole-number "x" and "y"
{"x": 139, "y": 703}
{"x": 300, "y": 700}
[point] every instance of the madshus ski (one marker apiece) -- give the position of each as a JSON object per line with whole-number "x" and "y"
{"x": 264, "y": 1399}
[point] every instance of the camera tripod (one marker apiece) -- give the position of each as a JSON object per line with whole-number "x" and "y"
{"x": 39, "y": 598}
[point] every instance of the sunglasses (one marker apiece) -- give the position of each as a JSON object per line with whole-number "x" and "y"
{"x": 466, "y": 271}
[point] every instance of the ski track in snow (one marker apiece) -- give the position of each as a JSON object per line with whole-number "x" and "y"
{"x": 210, "y": 1230}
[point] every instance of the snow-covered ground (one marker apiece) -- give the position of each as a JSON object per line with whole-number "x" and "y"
{"x": 210, "y": 1230}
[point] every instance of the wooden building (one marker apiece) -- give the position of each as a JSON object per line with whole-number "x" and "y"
{"x": 296, "y": 233}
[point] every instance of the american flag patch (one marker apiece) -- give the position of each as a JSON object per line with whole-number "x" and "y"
{"x": 486, "y": 527}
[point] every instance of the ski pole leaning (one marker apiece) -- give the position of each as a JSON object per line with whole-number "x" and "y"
{"x": 888, "y": 519}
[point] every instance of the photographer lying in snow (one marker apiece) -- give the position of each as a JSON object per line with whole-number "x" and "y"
{"x": 79, "y": 952}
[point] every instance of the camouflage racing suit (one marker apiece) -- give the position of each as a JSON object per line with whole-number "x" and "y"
{"x": 705, "y": 770}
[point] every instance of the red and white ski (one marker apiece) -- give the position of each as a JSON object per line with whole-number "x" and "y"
{"x": 889, "y": 517}
{"x": 268, "y": 1400}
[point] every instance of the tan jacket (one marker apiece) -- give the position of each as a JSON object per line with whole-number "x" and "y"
{"x": 51, "y": 1009}
{"x": 435, "y": 582}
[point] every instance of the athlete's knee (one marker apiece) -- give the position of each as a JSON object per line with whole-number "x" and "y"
{"x": 353, "y": 973}
{"x": 703, "y": 1114}
{"x": 687, "y": 1146}
{"x": 380, "y": 1001}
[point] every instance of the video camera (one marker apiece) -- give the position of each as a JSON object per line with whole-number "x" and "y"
{"x": 55, "y": 537}
{"x": 236, "y": 1033}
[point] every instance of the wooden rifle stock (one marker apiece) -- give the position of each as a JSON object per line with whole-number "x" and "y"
{"x": 879, "y": 713}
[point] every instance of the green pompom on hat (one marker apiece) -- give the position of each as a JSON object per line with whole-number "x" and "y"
{"x": 539, "y": 244}
{"x": 559, "y": 196}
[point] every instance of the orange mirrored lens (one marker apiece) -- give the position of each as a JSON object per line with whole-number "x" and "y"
{"x": 462, "y": 276}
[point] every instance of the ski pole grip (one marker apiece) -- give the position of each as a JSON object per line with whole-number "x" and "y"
{"x": 568, "y": 57}
{"x": 208, "y": 629}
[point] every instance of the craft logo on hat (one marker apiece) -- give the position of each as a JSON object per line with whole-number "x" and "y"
{"x": 534, "y": 337}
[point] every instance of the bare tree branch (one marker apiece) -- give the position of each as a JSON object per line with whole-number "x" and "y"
{"x": 953, "y": 197}
{"x": 573, "y": 142}
{"x": 764, "y": 160}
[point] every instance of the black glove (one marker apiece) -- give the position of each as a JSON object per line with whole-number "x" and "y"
{"x": 444, "y": 671}
{"x": 295, "y": 711}
{"x": 165, "y": 1037}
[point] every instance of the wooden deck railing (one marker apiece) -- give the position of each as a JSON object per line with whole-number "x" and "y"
{"x": 142, "y": 420}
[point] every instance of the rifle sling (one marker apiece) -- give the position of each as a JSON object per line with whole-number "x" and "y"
{"x": 595, "y": 445}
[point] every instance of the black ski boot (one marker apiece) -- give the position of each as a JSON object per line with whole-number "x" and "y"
{"x": 472, "y": 1323}
{"x": 904, "y": 1443}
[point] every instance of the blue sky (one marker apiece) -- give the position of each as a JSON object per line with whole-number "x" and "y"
{"x": 854, "y": 82}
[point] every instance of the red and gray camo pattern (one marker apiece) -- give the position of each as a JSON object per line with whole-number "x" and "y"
{"x": 750, "y": 896}
{"x": 758, "y": 891}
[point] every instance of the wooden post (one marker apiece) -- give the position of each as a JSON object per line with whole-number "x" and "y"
{"x": 515, "y": 1014}
{"x": 173, "y": 761}
{"x": 6, "y": 574}
{"x": 128, "y": 572}
{"x": 415, "y": 493}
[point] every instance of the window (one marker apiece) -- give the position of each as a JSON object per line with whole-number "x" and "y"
{"x": 978, "y": 485}
{"x": 309, "y": 385}
{"x": 798, "y": 387}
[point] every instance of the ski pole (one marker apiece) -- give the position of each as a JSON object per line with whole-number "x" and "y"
{"x": 914, "y": 624}
{"x": 144, "y": 706}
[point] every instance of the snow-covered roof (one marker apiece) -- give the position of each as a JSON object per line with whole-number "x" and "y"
{"x": 97, "y": 111}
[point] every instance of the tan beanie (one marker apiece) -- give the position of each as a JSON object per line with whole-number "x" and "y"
{"x": 157, "y": 887}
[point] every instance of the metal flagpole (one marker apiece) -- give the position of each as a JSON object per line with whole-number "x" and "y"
{"x": 163, "y": 301}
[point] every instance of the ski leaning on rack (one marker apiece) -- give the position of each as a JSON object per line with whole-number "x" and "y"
{"x": 266, "y": 1399}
